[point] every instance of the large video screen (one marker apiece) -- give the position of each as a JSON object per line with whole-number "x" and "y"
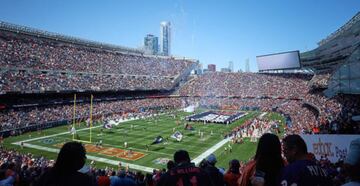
{"x": 284, "y": 60}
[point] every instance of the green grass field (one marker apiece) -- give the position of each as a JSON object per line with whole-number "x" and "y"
{"x": 142, "y": 133}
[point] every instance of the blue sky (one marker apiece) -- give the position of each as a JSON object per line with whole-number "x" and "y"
{"x": 212, "y": 31}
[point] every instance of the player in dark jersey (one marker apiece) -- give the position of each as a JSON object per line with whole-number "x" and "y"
{"x": 184, "y": 173}
{"x": 301, "y": 170}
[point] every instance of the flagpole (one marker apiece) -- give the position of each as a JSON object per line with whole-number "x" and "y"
{"x": 91, "y": 109}
{"x": 74, "y": 115}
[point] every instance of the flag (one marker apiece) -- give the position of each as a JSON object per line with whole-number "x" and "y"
{"x": 157, "y": 140}
{"x": 177, "y": 135}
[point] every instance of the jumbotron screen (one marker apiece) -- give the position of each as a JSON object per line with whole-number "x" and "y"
{"x": 284, "y": 60}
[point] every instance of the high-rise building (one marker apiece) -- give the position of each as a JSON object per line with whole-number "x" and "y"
{"x": 231, "y": 66}
{"x": 165, "y": 38}
{"x": 225, "y": 70}
{"x": 212, "y": 67}
{"x": 247, "y": 65}
{"x": 151, "y": 44}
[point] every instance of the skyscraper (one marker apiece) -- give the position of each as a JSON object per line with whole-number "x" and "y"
{"x": 151, "y": 44}
{"x": 165, "y": 38}
{"x": 247, "y": 65}
{"x": 231, "y": 66}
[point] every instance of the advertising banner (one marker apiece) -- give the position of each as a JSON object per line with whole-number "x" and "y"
{"x": 330, "y": 145}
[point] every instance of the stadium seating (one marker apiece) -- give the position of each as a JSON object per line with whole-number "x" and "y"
{"x": 37, "y": 64}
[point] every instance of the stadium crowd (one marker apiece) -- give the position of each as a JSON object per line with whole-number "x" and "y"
{"x": 26, "y": 81}
{"x": 17, "y": 118}
{"x": 285, "y": 93}
{"x": 247, "y": 85}
{"x": 37, "y": 64}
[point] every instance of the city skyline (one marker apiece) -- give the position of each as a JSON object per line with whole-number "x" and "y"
{"x": 214, "y": 34}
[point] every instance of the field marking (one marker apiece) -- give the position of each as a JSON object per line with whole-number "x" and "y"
{"x": 196, "y": 160}
{"x": 168, "y": 147}
{"x": 95, "y": 158}
{"x": 68, "y": 132}
{"x": 54, "y": 135}
{"x": 175, "y": 146}
{"x": 142, "y": 150}
{"x": 211, "y": 150}
{"x": 90, "y": 157}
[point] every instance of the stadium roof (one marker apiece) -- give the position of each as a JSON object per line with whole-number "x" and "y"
{"x": 335, "y": 49}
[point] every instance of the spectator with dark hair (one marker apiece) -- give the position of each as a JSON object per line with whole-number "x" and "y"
{"x": 170, "y": 164}
{"x": 233, "y": 174}
{"x": 70, "y": 159}
{"x": 184, "y": 173}
{"x": 266, "y": 167}
{"x": 301, "y": 170}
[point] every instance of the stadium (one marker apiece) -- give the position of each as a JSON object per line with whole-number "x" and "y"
{"x": 132, "y": 110}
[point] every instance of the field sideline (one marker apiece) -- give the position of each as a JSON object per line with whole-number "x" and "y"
{"x": 138, "y": 134}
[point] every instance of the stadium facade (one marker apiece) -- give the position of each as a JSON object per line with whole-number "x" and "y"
{"x": 337, "y": 58}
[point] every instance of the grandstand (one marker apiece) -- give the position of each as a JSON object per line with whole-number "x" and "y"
{"x": 40, "y": 72}
{"x": 335, "y": 60}
{"x": 55, "y": 63}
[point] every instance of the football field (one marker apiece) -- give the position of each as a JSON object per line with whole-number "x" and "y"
{"x": 138, "y": 136}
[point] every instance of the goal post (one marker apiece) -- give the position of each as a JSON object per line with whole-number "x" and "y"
{"x": 74, "y": 133}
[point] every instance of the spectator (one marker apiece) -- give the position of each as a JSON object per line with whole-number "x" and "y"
{"x": 185, "y": 172}
{"x": 301, "y": 170}
{"x": 216, "y": 177}
{"x": 123, "y": 180}
{"x": 170, "y": 164}
{"x": 113, "y": 178}
{"x": 266, "y": 167}
{"x": 70, "y": 159}
{"x": 6, "y": 180}
{"x": 233, "y": 174}
{"x": 103, "y": 179}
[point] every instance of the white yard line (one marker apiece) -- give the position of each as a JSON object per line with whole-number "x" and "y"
{"x": 53, "y": 135}
{"x": 211, "y": 150}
